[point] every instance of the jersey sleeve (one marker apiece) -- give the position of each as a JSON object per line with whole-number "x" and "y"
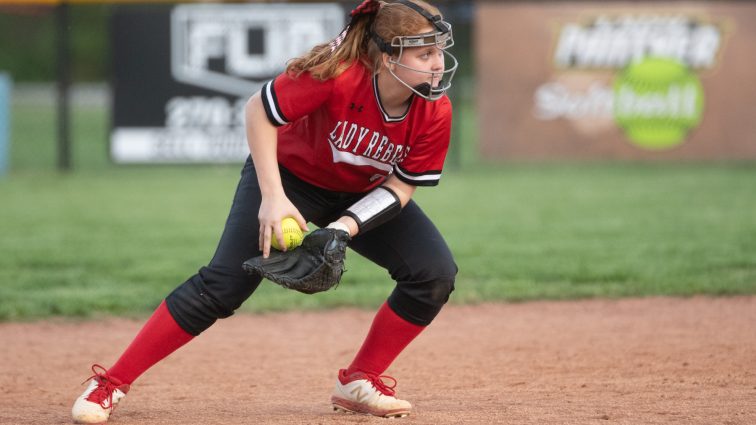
{"x": 286, "y": 98}
{"x": 425, "y": 160}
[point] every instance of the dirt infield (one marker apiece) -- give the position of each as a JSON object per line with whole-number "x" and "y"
{"x": 656, "y": 360}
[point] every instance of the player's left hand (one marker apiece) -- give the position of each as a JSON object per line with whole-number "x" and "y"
{"x": 316, "y": 266}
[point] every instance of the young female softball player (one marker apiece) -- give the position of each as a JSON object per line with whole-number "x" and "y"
{"x": 341, "y": 139}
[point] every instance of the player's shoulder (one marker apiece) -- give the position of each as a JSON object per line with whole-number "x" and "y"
{"x": 355, "y": 75}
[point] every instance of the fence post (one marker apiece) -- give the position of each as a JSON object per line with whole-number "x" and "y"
{"x": 5, "y": 100}
{"x": 63, "y": 46}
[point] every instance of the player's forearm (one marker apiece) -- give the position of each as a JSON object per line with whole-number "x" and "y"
{"x": 377, "y": 207}
{"x": 403, "y": 190}
{"x": 262, "y": 139}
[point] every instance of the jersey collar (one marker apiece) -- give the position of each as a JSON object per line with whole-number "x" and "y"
{"x": 386, "y": 116}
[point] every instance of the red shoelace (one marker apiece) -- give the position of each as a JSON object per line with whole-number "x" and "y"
{"x": 103, "y": 393}
{"x": 381, "y": 386}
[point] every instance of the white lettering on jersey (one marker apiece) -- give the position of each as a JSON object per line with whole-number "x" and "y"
{"x": 384, "y": 142}
{"x": 363, "y": 132}
{"x": 396, "y": 159}
{"x": 332, "y": 136}
{"x": 380, "y": 152}
{"x": 373, "y": 141}
{"x": 341, "y": 156}
{"x": 387, "y": 154}
{"x": 349, "y": 137}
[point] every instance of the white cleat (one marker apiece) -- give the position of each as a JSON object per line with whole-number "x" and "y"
{"x": 367, "y": 394}
{"x": 100, "y": 398}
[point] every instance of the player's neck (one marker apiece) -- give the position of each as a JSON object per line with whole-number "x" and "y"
{"x": 395, "y": 97}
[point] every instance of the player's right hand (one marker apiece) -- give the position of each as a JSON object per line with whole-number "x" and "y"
{"x": 273, "y": 209}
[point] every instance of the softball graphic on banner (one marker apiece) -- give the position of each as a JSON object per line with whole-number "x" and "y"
{"x": 638, "y": 73}
{"x": 657, "y": 101}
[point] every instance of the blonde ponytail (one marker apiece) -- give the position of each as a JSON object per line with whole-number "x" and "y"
{"x": 387, "y": 20}
{"x": 328, "y": 60}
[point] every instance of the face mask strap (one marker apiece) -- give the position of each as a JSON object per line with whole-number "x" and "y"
{"x": 442, "y": 28}
{"x": 425, "y": 90}
{"x": 435, "y": 20}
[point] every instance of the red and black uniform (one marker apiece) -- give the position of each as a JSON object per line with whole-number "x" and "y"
{"x": 335, "y": 143}
{"x": 335, "y": 134}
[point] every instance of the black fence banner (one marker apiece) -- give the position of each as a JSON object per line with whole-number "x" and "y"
{"x": 182, "y": 74}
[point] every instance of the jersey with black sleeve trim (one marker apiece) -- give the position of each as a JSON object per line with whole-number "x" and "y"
{"x": 336, "y": 135}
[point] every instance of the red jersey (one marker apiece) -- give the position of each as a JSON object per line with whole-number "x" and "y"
{"x": 336, "y": 135}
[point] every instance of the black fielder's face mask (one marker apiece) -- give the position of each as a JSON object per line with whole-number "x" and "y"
{"x": 441, "y": 38}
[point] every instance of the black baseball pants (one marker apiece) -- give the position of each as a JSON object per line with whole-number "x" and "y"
{"x": 409, "y": 247}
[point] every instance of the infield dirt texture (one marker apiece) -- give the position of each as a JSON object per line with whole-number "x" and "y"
{"x": 633, "y": 361}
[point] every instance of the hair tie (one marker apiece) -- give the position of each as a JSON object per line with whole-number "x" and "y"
{"x": 365, "y": 8}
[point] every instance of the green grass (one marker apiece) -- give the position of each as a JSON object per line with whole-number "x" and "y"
{"x": 106, "y": 239}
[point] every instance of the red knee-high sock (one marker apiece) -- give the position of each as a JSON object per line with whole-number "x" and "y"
{"x": 159, "y": 337}
{"x": 388, "y": 336}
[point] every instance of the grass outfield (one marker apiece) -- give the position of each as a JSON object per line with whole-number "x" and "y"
{"x": 116, "y": 240}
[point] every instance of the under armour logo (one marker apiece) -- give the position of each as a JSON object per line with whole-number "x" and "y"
{"x": 352, "y": 106}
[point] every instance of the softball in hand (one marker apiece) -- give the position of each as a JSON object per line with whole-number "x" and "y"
{"x": 292, "y": 234}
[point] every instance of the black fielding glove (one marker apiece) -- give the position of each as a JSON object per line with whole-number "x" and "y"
{"x": 315, "y": 266}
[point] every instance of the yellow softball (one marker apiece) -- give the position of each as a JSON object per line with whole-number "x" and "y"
{"x": 292, "y": 234}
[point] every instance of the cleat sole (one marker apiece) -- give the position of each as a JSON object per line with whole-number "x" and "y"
{"x": 342, "y": 409}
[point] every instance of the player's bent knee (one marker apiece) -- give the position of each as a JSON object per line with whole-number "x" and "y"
{"x": 194, "y": 308}
{"x": 439, "y": 293}
{"x": 420, "y": 301}
{"x": 441, "y": 285}
{"x": 437, "y": 288}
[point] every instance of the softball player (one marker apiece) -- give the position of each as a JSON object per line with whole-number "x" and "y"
{"x": 341, "y": 139}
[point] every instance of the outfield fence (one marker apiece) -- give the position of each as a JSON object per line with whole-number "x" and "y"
{"x": 144, "y": 91}
{"x": 647, "y": 80}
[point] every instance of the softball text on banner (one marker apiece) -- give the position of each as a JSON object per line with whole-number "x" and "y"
{"x": 183, "y": 74}
{"x": 650, "y": 80}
